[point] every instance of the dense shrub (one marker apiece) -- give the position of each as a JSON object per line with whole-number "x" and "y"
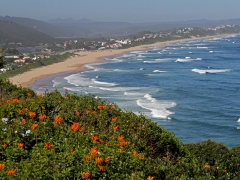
{"x": 54, "y": 136}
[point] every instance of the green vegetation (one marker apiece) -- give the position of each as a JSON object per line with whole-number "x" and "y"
{"x": 16, "y": 69}
{"x": 12, "y": 32}
{"x": 2, "y": 60}
{"x": 54, "y": 136}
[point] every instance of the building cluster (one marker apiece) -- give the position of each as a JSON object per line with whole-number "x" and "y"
{"x": 19, "y": 59}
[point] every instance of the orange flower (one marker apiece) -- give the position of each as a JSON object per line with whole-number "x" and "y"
{"x": 20, "y": 145}
{"x": 112, "y": 107}
{"x": 29, "y": 94}
{"x": 135, "y": 153}
{"x": 225, "y": 170}
{"x": 94, "y": 151}
{"x": 141, "y": 158}
{"x": 114, "y": 120}
{"x": 87, "y": 158}
{"x": 23, "y": 121}
{"x": 25, "y": 109}
{"x": 34, "y": 126}
{"x": 48, "y": 145}
{"x": 87, "y": 111}
{"x": 115, "y": 128}
{"x": 99, "y": 107}
{"x": 32, "y": 114}
{"x": 20, "y": 111}
{"x": 96, "y": 139}
{"x": 4, "y": 146}
{"x": 11, "y": 171}
{"x": 57, "y": 120}
{"x": 41, "y": 117}
{"x": 101, "y": 168}
{"x": 77, "y": 113}
{"x": 150, "y": 178}
{"x": 73, "y": 152}
{"x": 207, "y": 166}
{"x": 99, "y": 160}
{"x": 75, "y": 126}
{"x": 2, "y": 99}
{"x": 124, "y": 143}
{"x": 120, "y": 138}
{"x": 94, "y": 112}
{"x": 2, "y": 166}
{"x": 107, "y": 159}
{"x": 85, "y": 175}
{"x": 40, "y": 96}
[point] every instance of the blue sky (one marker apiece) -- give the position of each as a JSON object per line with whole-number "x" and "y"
{"x": 122, "y": 10}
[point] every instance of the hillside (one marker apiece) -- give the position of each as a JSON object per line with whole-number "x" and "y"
{"x": 84, "y": 27}
{"x": 13, "y": 32}
{"x": 54, "y": 136}
{"x": 50, "y": 29}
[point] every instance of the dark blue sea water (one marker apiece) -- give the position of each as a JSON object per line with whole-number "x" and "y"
{"x": 190, "y": 88}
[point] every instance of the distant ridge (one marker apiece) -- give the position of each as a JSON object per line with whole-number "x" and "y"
{"x": 71, "y": 28}
{"x": 13, "y": 32}
{"x": 69, "y": 20}
{"x": 50, "y": 29}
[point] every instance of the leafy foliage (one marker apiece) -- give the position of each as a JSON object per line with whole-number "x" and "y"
{"x": 54, "y": 136}
{"x": 2, "y": 60}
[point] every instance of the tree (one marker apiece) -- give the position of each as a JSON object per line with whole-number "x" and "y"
{"x": 2, "y": 60}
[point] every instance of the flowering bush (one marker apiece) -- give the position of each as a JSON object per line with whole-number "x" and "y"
{"x": 54, "y": 136}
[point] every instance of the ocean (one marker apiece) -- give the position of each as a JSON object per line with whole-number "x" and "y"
{"x": 191, "y": 88}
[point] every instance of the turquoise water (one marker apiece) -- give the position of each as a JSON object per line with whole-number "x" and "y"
{"x": 190, "y": 88}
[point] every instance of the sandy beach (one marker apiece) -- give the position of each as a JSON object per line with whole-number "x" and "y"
{"x": 76, "y": 63}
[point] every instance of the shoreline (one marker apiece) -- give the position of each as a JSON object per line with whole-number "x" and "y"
{"x": 76, "y": 63}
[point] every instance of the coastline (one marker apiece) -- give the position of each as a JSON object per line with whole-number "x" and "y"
{"x": 75, "y": 64}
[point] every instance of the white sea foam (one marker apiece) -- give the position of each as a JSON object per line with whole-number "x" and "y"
{"x": 210, "y": 51}
{"x": 78, "y": 80}
{"x": 150, "y": 62}
{"x": 103, "y": 83}
{"x": 116, "y": 60}
{"x": 201, "y": 47}
{"x": 212, "y": 71}
{"x": 119, "y": 70}
{"x": 158, "y": 71}
{"x": 238, "y": 120}
{"x": 159, "y": 109}
{"x": 183, "y": 60}
{"x": 141, "y": 56}
{"x": 108, "y": 89}
{"x": 56, "y": 82}
{"x": 199, "y": 59}
{"x": 89, "y": 66}
{"x": 141, "y": 69}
